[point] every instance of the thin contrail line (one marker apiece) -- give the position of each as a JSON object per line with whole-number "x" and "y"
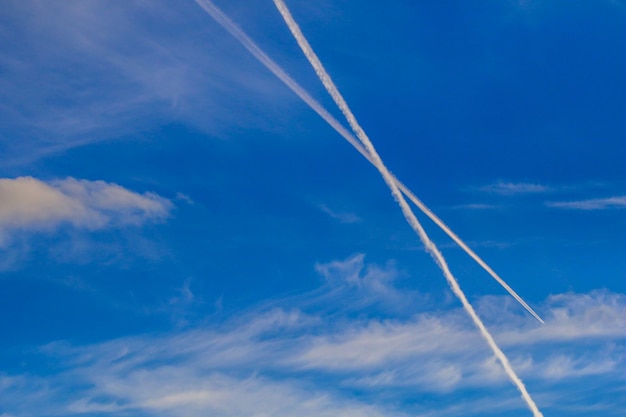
{"x": 406, "y": 210}
{"x": 466, "y": 248}
{"x": 262, "y": 57}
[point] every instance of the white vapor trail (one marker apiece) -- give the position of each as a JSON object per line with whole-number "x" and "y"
{"x": 406, "y": 210}
{"x": 262, "y": 57}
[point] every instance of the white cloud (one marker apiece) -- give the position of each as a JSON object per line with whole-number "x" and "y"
{"x": 30, "y": 204}
{"x": 169, "y": 392}
{"x": 197, "y": 373}
{"x": 572, "y": 317}
{"x": 27, "y": 202}
{"x": 511, "y": 188}
{"x": 592, "y": 204}
{"x": 375, "y": 344}
{"x": 284, "y": 363}
{"x": 442, "y": 351}
{"x": 565, "y": 366}
{"x": 114, "y": 202}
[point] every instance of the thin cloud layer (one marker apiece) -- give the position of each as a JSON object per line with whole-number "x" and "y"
{"x": 284, "y": 362}
{"x": 90, "y": 71}
{"x": 29, "y": 204}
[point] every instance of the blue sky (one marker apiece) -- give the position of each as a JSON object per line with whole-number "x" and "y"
{"x": 181, "y": 235}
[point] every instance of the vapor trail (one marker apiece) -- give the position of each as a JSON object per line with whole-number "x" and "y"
{"x": 262, "y": 57}
{"x": 463, "y": 246}
{"x": 395, "y": 191}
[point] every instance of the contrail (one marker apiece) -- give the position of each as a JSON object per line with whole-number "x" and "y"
{"x": 466, "y": 248}
{"x": 258, "y": 53}
{"x": 262, "y": 57}
{"x": 395, "y": 191}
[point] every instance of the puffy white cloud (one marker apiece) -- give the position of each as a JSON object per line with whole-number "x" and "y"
{"x": 115, "y": 203}
{"x": 27, "y": 203}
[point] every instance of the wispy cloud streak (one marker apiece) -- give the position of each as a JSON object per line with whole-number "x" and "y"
{"x": 592, "y": 204}
{"x": 264, "y": 59}
{"x": 406, "y": 210}
{"x": 510, "y": 188}
{"x": 341, "y": 216}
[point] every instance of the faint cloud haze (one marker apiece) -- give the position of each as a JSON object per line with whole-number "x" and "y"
{"x": 92, "y": 71}
{"x": 342, "y": 217}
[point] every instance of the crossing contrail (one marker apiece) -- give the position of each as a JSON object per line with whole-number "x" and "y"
{"x": 397, "y": 194}
{"x": 264, "y": 59}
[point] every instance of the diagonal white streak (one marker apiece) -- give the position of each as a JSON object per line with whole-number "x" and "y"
{"x": 466, "y": 248}
{"x": 262, "y": 57}
{"x": 406, "y": 210}
{"x": 238, "y": 34}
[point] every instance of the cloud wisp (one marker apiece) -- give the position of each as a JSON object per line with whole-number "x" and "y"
{"x": 511, "y": 188}
{"x": 609, "y": 203}
{"x": 343, "y": 217}
{"x": 263, "y": 58}
{"x": 29, "y": 204}
{"x": 406, "y": 209}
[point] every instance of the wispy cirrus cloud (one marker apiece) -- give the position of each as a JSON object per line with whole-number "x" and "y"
{"x": 618, "y": 202}
{"x": 514, "y": 188}
{"x": 355, "y": 284}
{"x": 29, "y": 204}
{"x": 83, "y": 72}
{"x": 285, "y": 361}
{"x": 441, "y": 339}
